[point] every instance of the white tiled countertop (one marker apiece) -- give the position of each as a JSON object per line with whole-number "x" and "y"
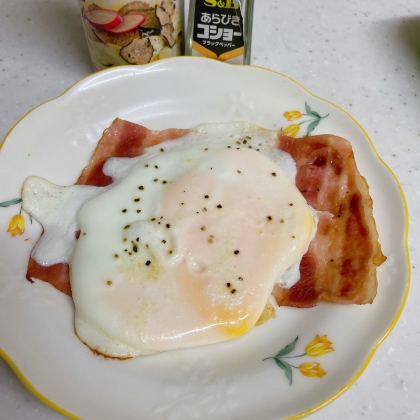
{"x": 363, "y": 56}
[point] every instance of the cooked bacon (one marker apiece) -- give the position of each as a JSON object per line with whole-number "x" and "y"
{"x": 340, "y": 264}
{"x": 57, "y": 275}
{"x": 121, "y": 139}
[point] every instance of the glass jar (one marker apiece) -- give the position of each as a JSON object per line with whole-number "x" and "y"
{"x": 138, "y": 32}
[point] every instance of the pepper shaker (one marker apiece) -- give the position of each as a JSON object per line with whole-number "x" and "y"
{"x": 220, "y": 29}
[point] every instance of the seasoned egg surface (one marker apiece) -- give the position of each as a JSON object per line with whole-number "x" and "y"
{"x": 185, "y": 249}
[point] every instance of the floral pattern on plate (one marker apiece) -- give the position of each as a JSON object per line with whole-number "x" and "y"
{"x": 315, "y": 118}
{"x": 17, "y": 222}
{"x": 319, "y": 346}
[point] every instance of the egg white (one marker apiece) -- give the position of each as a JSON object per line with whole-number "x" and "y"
{"x": 184, "y": 248}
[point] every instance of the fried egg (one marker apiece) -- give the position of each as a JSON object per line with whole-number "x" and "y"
{"x": 184, "y": 248}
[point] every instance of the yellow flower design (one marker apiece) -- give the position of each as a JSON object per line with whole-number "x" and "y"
{"x": 291, "y": 130}
{"x": 313, "y": 118}
{"x": 16, "y": 225}
{"x": 292, "y": 115}
{"x": 319, "y": 346}
{"x": 312, "y": 370}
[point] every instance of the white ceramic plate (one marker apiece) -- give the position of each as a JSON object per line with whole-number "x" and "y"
{"x": 223, "y": 381}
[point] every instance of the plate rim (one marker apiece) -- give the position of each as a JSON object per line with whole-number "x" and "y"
{"x": 8, "y": 359}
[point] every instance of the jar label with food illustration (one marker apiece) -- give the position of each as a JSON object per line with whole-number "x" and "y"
{"x": 138, "y": 32}
{"x": 218, "y": 29}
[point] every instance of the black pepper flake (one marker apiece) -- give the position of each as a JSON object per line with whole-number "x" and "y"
{"x": 124, "y": 239}
{"x": 138, "y": 210}
{"x": 233, "y": 291}
{"x": 204, "y": 209}
{"x": 203, "y": 228}
{"x": 126, "y": 226}
{"x": 152, "y": 220}
{"x": 141, "y": 187}
{"x": 281, "y": 220}
{"x": 206, "y": 196}
{"x": 247, "y": 137}
{"x": 130, "y": 253}
{"x": 293, "y": 237}
{"x": 137, "y": 239}
{"x": 332, "y": 260}
{"x": 249, "y": 147}
{"x": 168, "y": 225}
{"x": 170, "y": 252}
{"x": 116, "y": 255}
{"x": 238, "y": 172}
{"x": 229, "y": 147}
{"x": 124, "y": 210}
{"x": 303, "y": 191}
{"x": 162, "y": 150}
{"x": 156, "y": 166}
{"x": 206, "y": 149}
{"x": 269, "y": 217}
{"x": 317, "y": 189}
{"x": 109, "y": 282}
{"x": 182, "y": 204}
{"x": 228, "y": 284}
{"x": 146, "y": 166}
{"x": 164, "y": 182}
{"x": 290, "y": 204}
{"x": 219, "y": 206}
{"x": 136, "y": 200}
{"x": 244, "y": 142}
{"x": 135, "y": 249}
{"x": 236, "y": 252}
{"x": 240, "y": 278}
{"x": 163, "y": 241}
{"x": 338, "y": 215}
{"x": 273, "y": 174}
{"x": 155, "y": 180}
{"x": 148, "y": 262}
{"x": 258, "y": 150}
{"x": 125, "y": 250}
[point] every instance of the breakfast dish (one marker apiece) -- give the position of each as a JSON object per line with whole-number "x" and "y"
{"x": 225, "y": 380}
{"x": 202, "y": 223}
{"x": 199, "y": 226}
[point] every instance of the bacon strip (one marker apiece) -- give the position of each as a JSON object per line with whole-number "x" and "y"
{"x": 121, "y": 139}
{"x": 57, "y": 275}
{"x": 340, "y": 264}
